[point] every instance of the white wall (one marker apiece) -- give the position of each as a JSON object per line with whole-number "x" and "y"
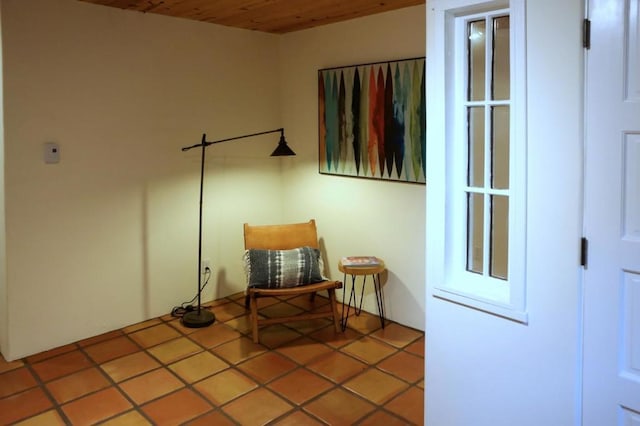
{"x": 355, "y": 216}
{"x": 108, "y": 237}
{"x": 482, "y": 369}
{"x": 4, "y": 316}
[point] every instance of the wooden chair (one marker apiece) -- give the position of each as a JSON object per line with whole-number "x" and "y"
{"x": 287, "y": 237}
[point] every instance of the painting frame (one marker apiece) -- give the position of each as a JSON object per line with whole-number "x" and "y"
{"x": 372, "y": 120}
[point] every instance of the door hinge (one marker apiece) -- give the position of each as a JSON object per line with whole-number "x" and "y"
{"x": 584, "y": 252}
{"x": 586, "y": 34}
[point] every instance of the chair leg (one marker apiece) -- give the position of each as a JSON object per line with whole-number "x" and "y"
{"x": 254, "y": 318}
{"x": 334, "y": 309}
{"x": 246, "y": 302}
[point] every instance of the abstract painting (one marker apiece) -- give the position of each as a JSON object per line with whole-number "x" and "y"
{"x": 372, "y": 121}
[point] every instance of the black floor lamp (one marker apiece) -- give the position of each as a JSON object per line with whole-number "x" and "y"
{"x": 201, "y": 317}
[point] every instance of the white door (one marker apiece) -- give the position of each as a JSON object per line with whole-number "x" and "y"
{"x": 611, "y": 383}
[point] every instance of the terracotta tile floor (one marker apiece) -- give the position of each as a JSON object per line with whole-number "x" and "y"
{"x": 159, "y": 372}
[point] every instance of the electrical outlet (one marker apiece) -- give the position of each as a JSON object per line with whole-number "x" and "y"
{"x": 206, "y": 263}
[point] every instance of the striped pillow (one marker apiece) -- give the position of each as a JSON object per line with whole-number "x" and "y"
{"x": 282, "y": 268}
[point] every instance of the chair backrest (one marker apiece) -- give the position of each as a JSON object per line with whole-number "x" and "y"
{"x": 281, "y": 237}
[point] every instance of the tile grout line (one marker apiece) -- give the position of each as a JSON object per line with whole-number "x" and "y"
{"x": 166, "y": 366}
{"x": 274, "y": 348}
{"x": 42, "y": 386}
{"x": 104, "y": 374}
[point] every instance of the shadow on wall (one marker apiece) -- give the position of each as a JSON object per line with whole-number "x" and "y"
{"x": 326, "y": 271}
{"x": 146, "y": 290}
{"x": 396, "y": 290}
{"x": 222, "y": 287}
{"x": 396, "y": 295}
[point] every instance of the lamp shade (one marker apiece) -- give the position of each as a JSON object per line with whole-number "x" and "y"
{"x": 282, "y": 149}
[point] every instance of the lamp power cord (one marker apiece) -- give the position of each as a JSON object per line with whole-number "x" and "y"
{"x": 179, "y": 311}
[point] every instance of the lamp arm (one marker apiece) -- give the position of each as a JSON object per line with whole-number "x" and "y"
{"x": 205, "y": 143}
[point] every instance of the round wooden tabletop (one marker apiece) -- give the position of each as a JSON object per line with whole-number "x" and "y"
{"x": 362, "y": 269}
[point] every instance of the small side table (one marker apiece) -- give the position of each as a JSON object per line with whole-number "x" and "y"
{"x": 374, "y": 271}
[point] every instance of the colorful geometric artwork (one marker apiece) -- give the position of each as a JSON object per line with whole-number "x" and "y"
{"x": 372, "y": 120}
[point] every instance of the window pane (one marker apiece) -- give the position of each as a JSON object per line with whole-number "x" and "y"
{"x": 499, "y": 236}
{"x": 500, "y": 59}
{"x": 475, "y": 117}
{"x": 476, "y": 60}
{"x": 500, "y": 147}
{"x": 475, "y": 232}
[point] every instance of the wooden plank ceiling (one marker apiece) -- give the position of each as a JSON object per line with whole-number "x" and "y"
{"x": 272, "y": 16}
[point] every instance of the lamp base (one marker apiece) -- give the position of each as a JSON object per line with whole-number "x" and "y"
{"x": 198, "y": 318}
